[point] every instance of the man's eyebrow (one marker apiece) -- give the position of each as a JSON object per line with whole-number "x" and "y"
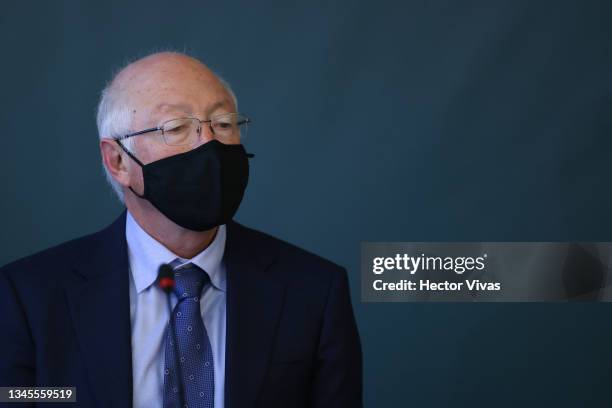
{"x": 216, "y": 106}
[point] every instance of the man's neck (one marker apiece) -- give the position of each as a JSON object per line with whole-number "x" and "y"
{"x": 181, "y": 241}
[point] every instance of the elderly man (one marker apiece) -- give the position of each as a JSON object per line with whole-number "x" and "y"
{"x": 175, "y": 304}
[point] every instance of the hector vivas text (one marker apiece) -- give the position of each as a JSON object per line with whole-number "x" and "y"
{"x": 414, "y": 264}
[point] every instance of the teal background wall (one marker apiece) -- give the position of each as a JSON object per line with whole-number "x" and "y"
{"x": 373, "y": 121}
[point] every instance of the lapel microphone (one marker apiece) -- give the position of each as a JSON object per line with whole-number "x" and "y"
{"x": 165, "y": 278}
{"x": 166, "y": 282}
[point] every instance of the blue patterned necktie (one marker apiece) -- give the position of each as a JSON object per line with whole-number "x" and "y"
{"x": 189, "y": 359}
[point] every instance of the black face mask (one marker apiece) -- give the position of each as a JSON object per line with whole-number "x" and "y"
{"x": 199, "y": 189}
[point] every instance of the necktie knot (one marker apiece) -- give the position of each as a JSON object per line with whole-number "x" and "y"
{"x": 190, "y": 279}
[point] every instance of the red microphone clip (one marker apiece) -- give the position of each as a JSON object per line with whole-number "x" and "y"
{"x": 165, "y": 278}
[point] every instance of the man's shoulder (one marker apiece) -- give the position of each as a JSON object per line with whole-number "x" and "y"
{"x": 48, "y": 263}
{"x": 285, "y": 253}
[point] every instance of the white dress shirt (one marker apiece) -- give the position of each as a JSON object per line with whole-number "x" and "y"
{"x": 149, "y": 311}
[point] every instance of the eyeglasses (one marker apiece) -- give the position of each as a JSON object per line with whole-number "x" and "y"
{"x": 229, "y": 128}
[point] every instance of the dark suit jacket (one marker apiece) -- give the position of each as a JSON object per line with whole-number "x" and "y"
{"x": 291, "y": 336}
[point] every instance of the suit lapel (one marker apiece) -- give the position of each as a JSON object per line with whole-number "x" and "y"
{"x": 98, "y": 300}
{"x": 254, "y": 303}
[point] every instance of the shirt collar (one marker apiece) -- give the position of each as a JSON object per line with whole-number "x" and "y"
{"x": 146, "y": 254}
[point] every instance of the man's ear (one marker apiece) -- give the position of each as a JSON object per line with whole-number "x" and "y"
{"x": 113, "y": 159}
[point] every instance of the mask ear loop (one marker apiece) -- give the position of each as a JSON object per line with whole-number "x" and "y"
{"x": 129, "y": 153}
{"x": 137, "y": 162}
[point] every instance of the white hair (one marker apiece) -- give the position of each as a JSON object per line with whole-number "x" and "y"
{"x": 113, "y": 118}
